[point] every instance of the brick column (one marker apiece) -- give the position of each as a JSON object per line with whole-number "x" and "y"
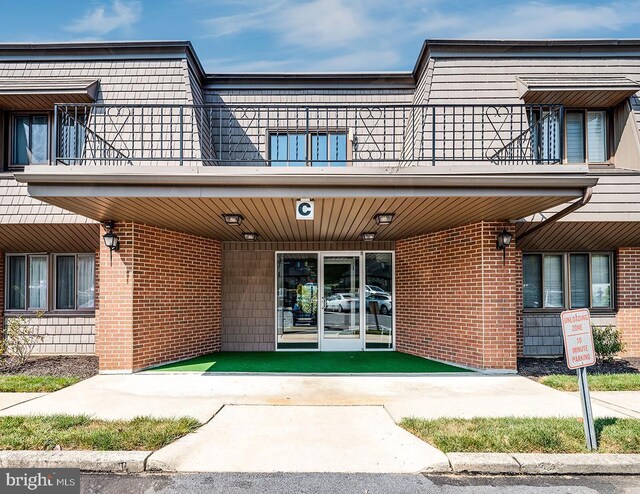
{"x": 160, "y": 300}
{"x": 455, "y": 299}
{"x": 519, "y": 302}
{"x": 2, "y": 281}
{"x": 628, "y": 298}
{"x": 114, "y": 319}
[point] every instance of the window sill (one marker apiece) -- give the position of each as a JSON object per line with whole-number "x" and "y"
{"x": 51, "y": 313}
{"x": 594, "y": 312}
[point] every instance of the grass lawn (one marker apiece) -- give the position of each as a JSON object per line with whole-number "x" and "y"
{"x": 82, "y": 432}
{"x": 310, "y": 362}
{"x": 597, "y": 382}
{"x": 525, "y": 435}
{"x": 34, "y": 384}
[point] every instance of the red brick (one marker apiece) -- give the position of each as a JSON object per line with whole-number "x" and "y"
{"x": 456, "y": 300}
{"x": 160, "y": 300}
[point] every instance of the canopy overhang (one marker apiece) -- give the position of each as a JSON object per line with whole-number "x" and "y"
{"x": 42, "y": 93}
{"x": 575, "y": 91}
{"x": 193, "y": 199}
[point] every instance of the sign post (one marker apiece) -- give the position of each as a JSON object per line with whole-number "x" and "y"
{"x": 580, "y": 354}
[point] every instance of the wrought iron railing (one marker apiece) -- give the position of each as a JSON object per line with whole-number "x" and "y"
{"x": 324, "y": 135}
{"x": 541, "y": 142}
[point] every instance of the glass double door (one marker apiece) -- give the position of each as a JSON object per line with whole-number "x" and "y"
{"x": 334, "y": 301}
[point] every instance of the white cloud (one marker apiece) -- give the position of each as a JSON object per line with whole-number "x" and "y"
{"x": 532, "y": 19}
{"x": 352, "y": 35}
{"x": 101, "y": 20}
{"x": 542, "y": 19}
{"x": 316, "y": 23}
{"x": 228, "y": 25}
{"x": 326, "y": 23}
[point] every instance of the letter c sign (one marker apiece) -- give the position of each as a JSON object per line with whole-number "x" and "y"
{"x": 304, "y": 209}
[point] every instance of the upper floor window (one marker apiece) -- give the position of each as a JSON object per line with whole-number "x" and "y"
{"x": 313, "y": 149}
{"x": 30, "y": 143}
{"x": 586, "y": 132}
{"x": 572, "y": 280}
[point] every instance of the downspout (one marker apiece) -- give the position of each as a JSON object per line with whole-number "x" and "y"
{"x": 586, "y": 197}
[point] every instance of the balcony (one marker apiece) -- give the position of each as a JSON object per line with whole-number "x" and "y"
{"x": 326, "y": 135}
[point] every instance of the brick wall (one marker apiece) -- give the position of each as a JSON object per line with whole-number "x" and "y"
{"x": 455, "y": 299}
{"x": 2, "y": 281}
{"x": 114, "y": 320}
{"x": 519, "y": 302}
{"x": 628, "y": 298}
{"x": 160, "y": 300}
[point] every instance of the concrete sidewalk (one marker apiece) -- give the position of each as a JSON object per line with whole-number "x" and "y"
{"x": 200, "y": 396}
{"x": 625, "y": 402}
{"x": 10, "y": 399}
{"x": 327, "y": 423}
{"x": 300, "y": 439}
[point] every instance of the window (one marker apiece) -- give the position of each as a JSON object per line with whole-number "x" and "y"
{"x": 74, "y": 280}
{"x": 26, "y": 282}
{"x": 314, "y": 149}
{"x": 30, "y": 144}
{"x": 72, "y": 135}
{"x": 573, "y": 280}
{"x": 586, "y": 133}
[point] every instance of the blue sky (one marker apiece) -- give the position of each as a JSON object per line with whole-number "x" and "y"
{"x": 312, "y": 35}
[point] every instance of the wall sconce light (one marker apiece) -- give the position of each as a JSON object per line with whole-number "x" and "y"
{"x": 111, "y": 240}
{"x": 233, "y": 219}
{"x": 503, "y": 240}
{"x": 384, "y": 218}
{"x": 250, "y": 236}
{"x": 368, "y": 236}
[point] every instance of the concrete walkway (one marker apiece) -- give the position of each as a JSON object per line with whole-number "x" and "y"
{"x": 249, "y": 438}
{"x": 625, "y": 402}
{"x": 200, "y": 396}
{"x": 268, "y": 423}
{"x": 10, "y": 399}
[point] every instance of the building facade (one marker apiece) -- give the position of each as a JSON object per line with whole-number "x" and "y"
{"x": 451, "y": 212}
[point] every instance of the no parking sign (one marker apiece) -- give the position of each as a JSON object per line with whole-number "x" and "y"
{"x": 580, "y": 353}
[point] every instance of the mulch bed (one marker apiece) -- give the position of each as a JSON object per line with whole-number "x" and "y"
{"x": 81, "y": 366}
{"x": 538, "y": 367}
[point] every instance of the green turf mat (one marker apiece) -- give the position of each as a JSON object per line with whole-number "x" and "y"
{"x": 310, "y": 362}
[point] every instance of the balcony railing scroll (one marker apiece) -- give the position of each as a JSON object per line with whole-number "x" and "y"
{"x": 299, "y": 135}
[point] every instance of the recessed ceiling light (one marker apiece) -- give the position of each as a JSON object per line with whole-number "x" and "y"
{"x": 251, "y": 236}
{"x": 384, "y": 218}
{"x": 368, "y": 236}
{"x": 233, "y": 219}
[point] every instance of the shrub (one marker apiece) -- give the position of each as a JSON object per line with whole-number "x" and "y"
{"x": 18, "y": 342}
{"x": 607, "y": 341}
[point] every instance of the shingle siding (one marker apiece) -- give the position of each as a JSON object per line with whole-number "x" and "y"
{"x": 163, "y": 81}
{"x": 17, "y": 207}
{"x": 493, "y": 80}
{"x": 63, "y": 334}
{"x": 543, "y": 333}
